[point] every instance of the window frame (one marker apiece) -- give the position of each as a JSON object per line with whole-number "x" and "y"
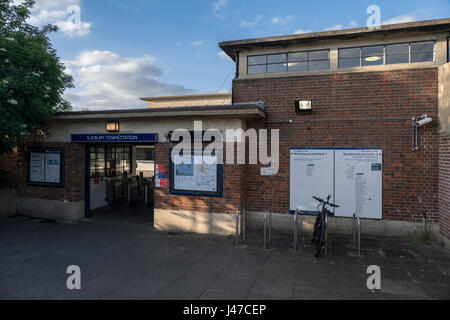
{"x": 287, "y": 61}
{"x": 385, "y": 54}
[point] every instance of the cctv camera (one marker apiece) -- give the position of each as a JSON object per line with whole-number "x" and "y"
{"x": 423, "y": 121}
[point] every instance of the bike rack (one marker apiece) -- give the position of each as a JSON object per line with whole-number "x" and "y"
{"x": 267, "y": 229}
{"x": 240, "y": 225}
{"x": 295, "y": 229}
{"x": 356, "y": 227}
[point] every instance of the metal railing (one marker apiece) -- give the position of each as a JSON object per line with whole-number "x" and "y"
{"x": 356, "y": 232}
{"x": 267, "y": 229}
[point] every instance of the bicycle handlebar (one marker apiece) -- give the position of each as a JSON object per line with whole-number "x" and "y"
{"x": 326, "y": 202}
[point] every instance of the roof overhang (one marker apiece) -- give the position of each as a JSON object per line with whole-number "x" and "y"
{"x": 244, "y": 111}
{"x": 231, "y": 47}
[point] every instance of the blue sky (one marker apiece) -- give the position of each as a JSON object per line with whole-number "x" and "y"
{"x": 122, "y": 50}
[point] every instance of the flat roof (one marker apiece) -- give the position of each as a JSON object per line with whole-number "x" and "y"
{"x": 187, "y": 97}
{"x": 241, "y": 110}
{"x": 230, "y": 47}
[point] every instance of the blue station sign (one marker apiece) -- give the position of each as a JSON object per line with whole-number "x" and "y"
{"x": 115, "y": 138}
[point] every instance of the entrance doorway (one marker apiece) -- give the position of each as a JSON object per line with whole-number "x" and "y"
{"x": 120, "y": 182}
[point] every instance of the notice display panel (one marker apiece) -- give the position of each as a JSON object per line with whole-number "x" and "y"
{"x": 311, "y": 174}
{"x": 201, "y": 176}
{"x": 354, "y": 178}
{"x": 358, "y": 188}
{"x": 46, "y": 167}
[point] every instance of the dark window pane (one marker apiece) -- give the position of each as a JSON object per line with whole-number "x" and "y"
{"x": 318, "y": 55}
{"x": 319, "y": 65}
{"x": 422, "y": 46}
{"x": 349, "y": 53}
{"x": 372, "y": 51}
{"x": 278, "y": 67}
{"x": 422, "y": 57}
{"x": 256, "y": 69}
{"x": 373, "y": 61}
{"x": 256, "y": 60}
{"x": 276, "y": 58}
{"x": 397, "y": 58}
{"x": 397, "y": 48}
{"x": 298, "y": 56}
{"x": 349, "y": 63}
{"x": 297, "y": 66}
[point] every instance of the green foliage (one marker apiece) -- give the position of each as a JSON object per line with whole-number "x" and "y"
{"x": 32, "y": 77}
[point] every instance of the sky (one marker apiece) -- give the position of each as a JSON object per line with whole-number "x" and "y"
{"x": 118, "y": 51}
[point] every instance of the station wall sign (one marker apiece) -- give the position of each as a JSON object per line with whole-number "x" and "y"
{"x": 116, "y": 138}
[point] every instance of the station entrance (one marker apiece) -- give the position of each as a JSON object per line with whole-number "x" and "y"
{"x": 120, "y": 182}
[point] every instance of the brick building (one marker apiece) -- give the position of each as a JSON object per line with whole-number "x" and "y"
{"x": 366, "y": 89}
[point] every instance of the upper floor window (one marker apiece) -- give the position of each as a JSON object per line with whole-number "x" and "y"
{"x": 289, "y": 62}
{"x": 387, "y": 54}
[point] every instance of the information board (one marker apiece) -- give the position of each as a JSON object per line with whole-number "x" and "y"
{"x": 45, "y": 167}
{"x": 358, "y": 188}
{"x": 311, "y": 174}
{"x": 352, "y": 176}
{"x": 52, "y": 167}
{"x": 37, "y": 167}
{"x": 200, "y": 175}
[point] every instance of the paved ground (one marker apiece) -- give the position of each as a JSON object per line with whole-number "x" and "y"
{"x": 132, "y": 261}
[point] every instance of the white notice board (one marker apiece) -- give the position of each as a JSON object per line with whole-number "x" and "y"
{"x": 358, "y": 186}
{"x": 311, "y": 174}
{"x": 37, "y": 167}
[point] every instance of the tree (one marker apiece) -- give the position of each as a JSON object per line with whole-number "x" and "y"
{"x": 32, "y": 77}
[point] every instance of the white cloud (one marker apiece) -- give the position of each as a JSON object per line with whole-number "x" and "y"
{"x": 197, "y": 43}
{"x": 281, "y": 20}
{"x": 251, "y": 24}
{"x": 66, "y": 14}
{"x": 401, "y": 19}
{"x": 106, "y": 80}
{"x": 335, "y": 27}
{"x": 218, "y": 5}
{"x": 222, "y": 55}
{"x": 299, "y": 31}
{"x": 353, "y": 24}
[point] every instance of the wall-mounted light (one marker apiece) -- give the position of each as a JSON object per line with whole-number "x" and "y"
{"x": 112, "y": 127}
{"x": 303, "y": 106}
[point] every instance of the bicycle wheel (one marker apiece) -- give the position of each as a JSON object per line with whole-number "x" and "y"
{"x": 320, "y": 240}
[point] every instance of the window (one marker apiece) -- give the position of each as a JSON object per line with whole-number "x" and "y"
{"x": 289, "y": 62}
{"x": 110, "y": 160}
{"x": 145, "y": 154}
{"x": 387, "y": 54}
{"x": 46, "y": 167}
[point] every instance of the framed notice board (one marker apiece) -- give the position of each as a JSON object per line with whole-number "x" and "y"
{"x": 201, "y": 176}
{"x": 46, "y": 167}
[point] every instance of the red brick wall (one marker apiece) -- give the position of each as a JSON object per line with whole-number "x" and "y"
{"x": 232, "y": 189}
{"x": 410, "y": 179}
{"x": 444, "y": 184}
{"x": 74, "y": 174}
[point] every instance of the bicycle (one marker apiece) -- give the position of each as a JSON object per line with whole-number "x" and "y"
{"x": 320, "y": 225}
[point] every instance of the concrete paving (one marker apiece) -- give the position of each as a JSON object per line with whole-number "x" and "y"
{"x": 132, "y": 261}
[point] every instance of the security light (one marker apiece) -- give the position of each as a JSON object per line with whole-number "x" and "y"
{"x": 302, "y": 106}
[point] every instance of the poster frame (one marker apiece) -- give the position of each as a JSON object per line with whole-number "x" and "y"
{"x": 219, "y": 181}
{"x": 61, "y": 150}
